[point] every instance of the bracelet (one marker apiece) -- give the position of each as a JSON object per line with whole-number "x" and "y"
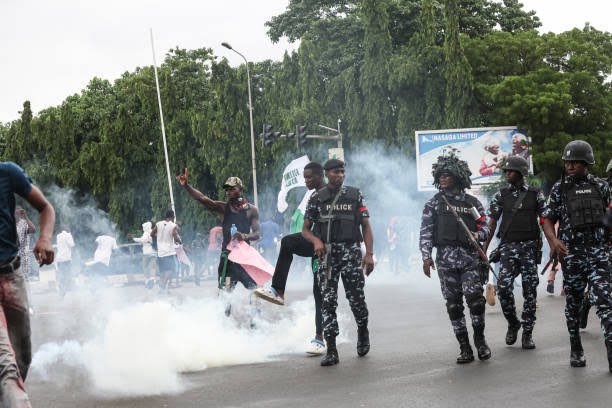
{"x": 369, "y": 253}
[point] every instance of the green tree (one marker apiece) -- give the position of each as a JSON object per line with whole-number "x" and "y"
{"x": 457, "y": 72}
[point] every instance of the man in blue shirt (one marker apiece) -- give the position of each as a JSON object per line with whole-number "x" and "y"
{"x": 15, "y": 343}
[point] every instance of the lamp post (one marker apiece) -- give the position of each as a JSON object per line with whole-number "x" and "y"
{"x": 229, "y": 47}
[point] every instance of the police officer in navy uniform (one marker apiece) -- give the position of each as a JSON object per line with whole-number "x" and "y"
{"x": 341, "y": 210}
{"x": 519, "y": 233}
{"x": 456, "y": 260}
{"x": 579, "y": 201}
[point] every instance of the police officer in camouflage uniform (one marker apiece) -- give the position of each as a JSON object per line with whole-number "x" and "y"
{"x": 578, "y": 201}
{"x": 520, "y": 243}
{"x": 456, "y": 260}
{"x": 340, "y": 253}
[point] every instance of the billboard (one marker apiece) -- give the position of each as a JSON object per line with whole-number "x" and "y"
{"x": 483, "y": 148}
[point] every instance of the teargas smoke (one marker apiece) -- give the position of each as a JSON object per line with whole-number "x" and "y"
{"x": 141, "y": 347}
{"x": 387, "y": 178}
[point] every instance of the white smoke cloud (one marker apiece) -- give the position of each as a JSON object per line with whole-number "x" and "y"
{"x": 141, "y": 347}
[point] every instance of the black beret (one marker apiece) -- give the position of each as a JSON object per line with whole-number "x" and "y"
{"x": 333, "y": 164}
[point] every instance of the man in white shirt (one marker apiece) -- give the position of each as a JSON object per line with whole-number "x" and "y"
{"x": 63, "y": 260}
{"x": 149, "y": 256}
{"x": 167, "y": 235}
{"x": 104, "y": 251}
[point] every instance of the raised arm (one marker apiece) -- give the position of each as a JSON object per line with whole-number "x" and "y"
{"x": 217, "y": 206}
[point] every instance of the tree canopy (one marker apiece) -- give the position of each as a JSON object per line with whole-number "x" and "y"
{"x": 385, "y": 68}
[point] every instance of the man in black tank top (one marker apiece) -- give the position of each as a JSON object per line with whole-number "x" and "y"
{"x": 238, "y": 212}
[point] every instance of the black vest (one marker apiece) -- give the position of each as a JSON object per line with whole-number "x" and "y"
{"x": 524, "y": 224}
{"x": 240, "y": 219}
{"x": 585, "y": 206}
{"x": 447, "y": 230}
{"x": 345, "y": 219}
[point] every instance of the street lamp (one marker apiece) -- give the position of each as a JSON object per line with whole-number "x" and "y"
{"x": 229, "y": 47}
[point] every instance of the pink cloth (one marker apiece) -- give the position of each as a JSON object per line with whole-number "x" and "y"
{"x": 249, "y": 258}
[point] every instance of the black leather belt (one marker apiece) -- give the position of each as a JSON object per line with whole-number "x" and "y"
{"x": 11, "y": 266}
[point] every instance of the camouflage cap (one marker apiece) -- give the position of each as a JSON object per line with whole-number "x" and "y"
{"x": 450, "y": 163}
{"x": 233, "y": 182}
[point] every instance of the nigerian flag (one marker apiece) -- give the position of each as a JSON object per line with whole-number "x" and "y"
{"x": 297, "y": 219}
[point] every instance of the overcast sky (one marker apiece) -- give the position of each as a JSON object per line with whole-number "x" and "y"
{"x": 52, "y": 48}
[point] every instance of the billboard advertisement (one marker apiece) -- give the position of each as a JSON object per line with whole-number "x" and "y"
{"x": 484, "y": 149}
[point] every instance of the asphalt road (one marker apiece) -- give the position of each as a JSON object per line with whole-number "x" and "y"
{"x": 411, "y": 363}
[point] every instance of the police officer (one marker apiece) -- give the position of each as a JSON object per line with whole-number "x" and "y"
{"x": 456, "y": 259}
{"x": 578, "y": 201}
{"x": 341, "y": 222}
{"x": 520, "y": 207}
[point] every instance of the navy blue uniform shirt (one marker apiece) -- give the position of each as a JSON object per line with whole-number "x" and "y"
{"x": 13, "y": 180}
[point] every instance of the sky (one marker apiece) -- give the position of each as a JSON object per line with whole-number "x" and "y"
{"x": 52, "y": 49}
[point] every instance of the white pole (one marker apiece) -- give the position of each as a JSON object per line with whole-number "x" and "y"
{"x": 163, "y": 127}
{"x": 253, "y": 167}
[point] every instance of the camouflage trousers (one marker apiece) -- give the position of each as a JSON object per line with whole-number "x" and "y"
{"x": 459, "y": 278}
{"x": 345, "y": 263}
{"x": 587, "y": 265}
{"x": 518, "y": 258}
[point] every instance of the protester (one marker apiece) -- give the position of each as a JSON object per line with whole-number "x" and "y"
{"x": 149, "y": 256}
{"x": 25, "y": 228}
{"x": 240, "y": 222}
{"x": 15, "y": 342}
{"x": 63, "y": 260}
{"x": 167, "y": 235}
{"x": 296, "y": 244}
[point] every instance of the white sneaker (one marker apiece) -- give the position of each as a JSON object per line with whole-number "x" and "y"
{"x": 269, "y": 293}
{"x": 316, "y": 347}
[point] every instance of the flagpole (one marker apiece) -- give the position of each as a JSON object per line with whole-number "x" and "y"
{"x": 163, "y": 127}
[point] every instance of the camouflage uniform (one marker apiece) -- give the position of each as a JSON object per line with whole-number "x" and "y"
{"x": 518, "y": 258}
{"x": 457, "y": 267}
{"x": 588, "y": 258}
{"x": 345, "y": 263}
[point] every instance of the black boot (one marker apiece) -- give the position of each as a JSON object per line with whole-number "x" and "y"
{"x": 484, "y": 352}
{"x": 331, "y": 357}
{"x": 577, "y": 353}
{"x": 609, "y": 347}
{"x": 363, "y": 341}
{"x": 466, "y": 355}
{"x": 512, "y": 332}
{"x": 527, "y": 340}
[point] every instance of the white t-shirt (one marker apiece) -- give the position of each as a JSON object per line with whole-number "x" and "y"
{"x": 146, "y": 240}
{"x": 65, "y": 243}
{"x": 165, "y": 239}
{"x": 103, "y": 253}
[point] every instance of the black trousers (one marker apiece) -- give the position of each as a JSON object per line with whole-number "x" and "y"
{"x": 295, "y": 244}
{"x": 236, "y": 273}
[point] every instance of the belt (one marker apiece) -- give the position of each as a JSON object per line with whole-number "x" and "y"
{"x": 11, "y": 266}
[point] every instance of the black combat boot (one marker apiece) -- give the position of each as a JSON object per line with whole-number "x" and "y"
{"x": 512, "y": 332}
{"x": 363, "y": 341}
{"x": 609, "y": 347}
{"x": 331, "y": 357}
{"x": 577, "y": 353}
{"x": 527, "y": 340}
{"x": 484, "y": 352}
{"x": 466, "y": 355}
